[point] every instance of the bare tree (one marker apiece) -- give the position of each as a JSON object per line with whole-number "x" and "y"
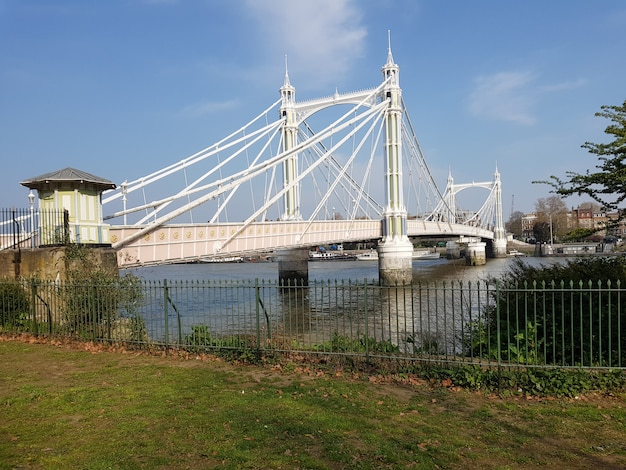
{"x": 514, "y": 225}
{"x": 552, "y": 210}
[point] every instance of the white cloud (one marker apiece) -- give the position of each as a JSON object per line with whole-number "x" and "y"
{"x": 512, "y": 96}
{"x": 564, "y": 86}
{"x": 321, "y": 38}
{"x": 506, "y": 96}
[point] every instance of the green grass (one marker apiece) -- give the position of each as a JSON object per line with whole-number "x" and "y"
{"x": 63, "y": 407}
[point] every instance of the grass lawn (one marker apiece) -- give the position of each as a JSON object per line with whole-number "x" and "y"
{"x": 83, "y": 406}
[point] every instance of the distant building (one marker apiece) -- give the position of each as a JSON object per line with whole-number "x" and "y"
{"x": 619, "y": 231}
{"x": 584, "y": 217}
{"x": 588, "y": 218}
{"x": 528, "y": 225}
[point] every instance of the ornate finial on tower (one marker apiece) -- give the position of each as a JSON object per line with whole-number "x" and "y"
{"x": 390, "y": 70}
{"x": 286, "y": 73}
{"x": 389, "y": 55}
{"x": 287, "y": 83}
{"x": 287, "y": 91}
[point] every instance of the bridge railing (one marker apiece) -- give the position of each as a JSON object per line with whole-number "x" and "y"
{"x": 560, "y": 324}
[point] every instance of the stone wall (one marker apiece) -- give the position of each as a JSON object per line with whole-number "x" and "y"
{"x": 51, "y": 263}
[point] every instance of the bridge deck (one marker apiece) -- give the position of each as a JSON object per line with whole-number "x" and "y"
{"x": 186, "y": 242}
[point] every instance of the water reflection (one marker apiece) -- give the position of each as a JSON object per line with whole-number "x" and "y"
{"x": 343, "y": 301}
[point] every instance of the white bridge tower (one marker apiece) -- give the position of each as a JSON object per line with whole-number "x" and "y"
{"x": 395, "y": 251}
{"x": 293, "y": 263}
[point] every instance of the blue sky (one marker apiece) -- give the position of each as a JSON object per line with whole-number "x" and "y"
{"x": 121, "y": 88}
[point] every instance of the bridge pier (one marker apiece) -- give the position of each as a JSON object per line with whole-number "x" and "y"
{"x": 453, "y": 250}
{"x": 499, "y": 248}
{"x": 476, "y": 254}
{"x": 395, "y": 262}
{"x": 293, "y": 266}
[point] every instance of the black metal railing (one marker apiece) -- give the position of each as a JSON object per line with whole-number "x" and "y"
{"x": 558, "y": 324}
{"x": 31, "y": 228}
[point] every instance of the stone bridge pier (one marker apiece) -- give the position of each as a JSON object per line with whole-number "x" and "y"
{"x": 476, "y": 253}
{"x": 293, "y": 266}
{"x": 395, "y": 262}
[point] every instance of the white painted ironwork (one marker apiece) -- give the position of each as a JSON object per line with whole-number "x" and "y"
{"x": 295, "y": 174}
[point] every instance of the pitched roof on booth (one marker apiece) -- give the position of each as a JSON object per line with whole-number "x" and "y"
{"x": 68, "y": 175}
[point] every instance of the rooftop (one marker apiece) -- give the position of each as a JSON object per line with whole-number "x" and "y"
{"x": 67, "y": 175}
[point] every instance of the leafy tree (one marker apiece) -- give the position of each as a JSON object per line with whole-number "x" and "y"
{"x": 576, "y": 235}
{"x": 606, "y": 185}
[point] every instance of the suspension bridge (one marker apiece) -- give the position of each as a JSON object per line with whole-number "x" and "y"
{"x": 346, "y": 167}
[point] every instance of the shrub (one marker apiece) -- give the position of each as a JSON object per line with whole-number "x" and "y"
{"x": 94, "y": 296}
{"x": 566, "y": 314}
{"x": 345, "y": 344}
{"x": 14, "y": 304}
{"x": 201, "y": 338}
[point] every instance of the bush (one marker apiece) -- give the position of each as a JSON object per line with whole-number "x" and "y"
{"x": 344, "y": 344}
{"x": 14, "y": 304}
{"x": 201, "y": 338}
{"x": 566, "y": 314}
{"x": 94, "y": 296}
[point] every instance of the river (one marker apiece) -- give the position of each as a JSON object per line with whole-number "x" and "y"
{"x": 215, "y": 296}
{"x": 423, "y": 270}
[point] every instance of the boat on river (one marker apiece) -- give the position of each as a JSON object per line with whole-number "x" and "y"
{"x": 515, "y": 253}
{"x": 419, "y": 255}
{"x": 330, "y": 256}
{"x": 425, "y": 254}
{"x": 371, "y": 255}
{"x": 227, "y": 259}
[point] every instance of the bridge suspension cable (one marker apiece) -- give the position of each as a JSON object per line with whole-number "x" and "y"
{"x": 337, "y": 169}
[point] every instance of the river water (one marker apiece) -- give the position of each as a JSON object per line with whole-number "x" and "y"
{"x": 355, "y": 271}
{"x": 219, "y": 297}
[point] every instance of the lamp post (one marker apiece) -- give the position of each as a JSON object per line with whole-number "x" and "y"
{"x": 31, "y": 201}
{"x": 550, "y": 229}
{"x": 551, "y": 248}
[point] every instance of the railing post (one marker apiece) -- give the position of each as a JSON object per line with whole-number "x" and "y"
{"x": 600, "y": 332}
{"x": 179, "y": 324}
{"x": 66, "y": 227}
{"x": 619, "y": 323}
{"x": 608, "y": 327}
{"x": 498, "y": 325}
{"x": 33, "y": 306}
{"x": 93, "y": 299}
{"x": 166, "y": 313}
{"x": 367, "y": 322}
{"x": 112, "y": 301}
{"x": 257, "y": 312}
{"x": 590, "y": 319}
